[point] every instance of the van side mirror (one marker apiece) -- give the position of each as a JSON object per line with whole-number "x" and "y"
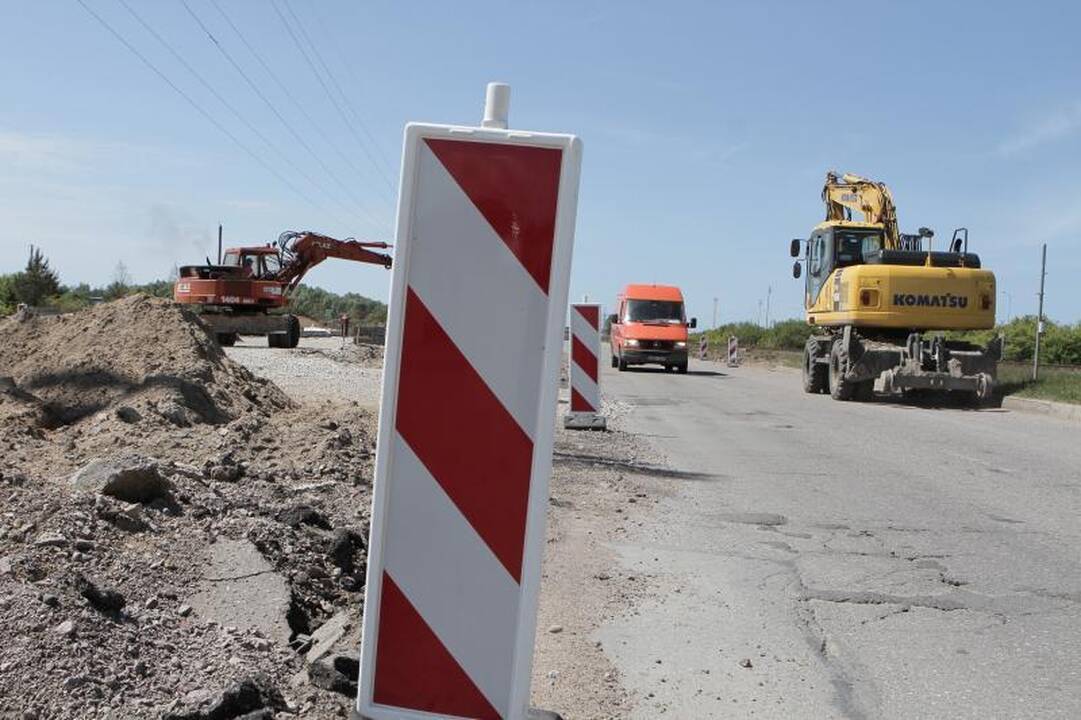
{"x": 797, "y": 269}
{"x": 694, "y": 323}
{"x": 794, "y": 248}
{"x": 612, "y": 319}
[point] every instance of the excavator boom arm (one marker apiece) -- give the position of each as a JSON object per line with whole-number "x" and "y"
{"x": 301, "y": 251}
{"x": 870, "y": 198}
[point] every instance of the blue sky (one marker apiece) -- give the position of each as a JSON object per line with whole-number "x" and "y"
{"x": 708, "y": 127}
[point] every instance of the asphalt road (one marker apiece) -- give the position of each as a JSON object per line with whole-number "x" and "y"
{"x": 865, "y": 560}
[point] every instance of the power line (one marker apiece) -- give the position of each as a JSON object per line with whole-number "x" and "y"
{"x": 326, "y": 89}
{"x": 352, "y": 76}
{"x": 281, "y": 86}
{"x": 210, "y": 118}
{"x": 251, "y": 84}
{"x": 223, "y": 101}
{"x": 381, "y": 161}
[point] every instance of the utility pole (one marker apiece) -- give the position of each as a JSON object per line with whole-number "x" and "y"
{"x": 758, "y": 316}
{"x": 219, "y": 243}
{"x": 769, "y": 295}
{"x": 1039, "y": 318}
{"x": 714, "y": 312}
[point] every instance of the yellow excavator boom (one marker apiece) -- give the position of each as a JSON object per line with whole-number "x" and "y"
{"x": 870, "y": 198}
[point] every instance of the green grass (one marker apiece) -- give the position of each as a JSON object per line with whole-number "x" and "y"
{"x": 1058, "y": 384}
{"x": 785, "y": 358}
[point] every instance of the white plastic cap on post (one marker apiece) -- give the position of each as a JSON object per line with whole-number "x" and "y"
{"x": 496, "y": 106}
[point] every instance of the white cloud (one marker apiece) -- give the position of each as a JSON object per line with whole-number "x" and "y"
{"x": 1053, "y": 127}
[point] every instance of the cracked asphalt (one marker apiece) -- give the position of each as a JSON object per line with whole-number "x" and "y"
{"x": 820, "y": 559}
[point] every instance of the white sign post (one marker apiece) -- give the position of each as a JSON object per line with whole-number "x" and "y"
{"x": 474, "y": 337}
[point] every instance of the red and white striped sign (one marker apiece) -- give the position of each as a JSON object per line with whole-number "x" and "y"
{"x": 485, "y": 228}
{"x": 585, "y": 365}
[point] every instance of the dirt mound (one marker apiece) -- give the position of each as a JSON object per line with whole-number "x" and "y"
{"x": 138, "y": 357}
{"x": 134, "y": 457}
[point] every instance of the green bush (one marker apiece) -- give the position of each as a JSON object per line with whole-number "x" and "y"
{"x": 7, "y": 295}
{"x": 1061, "y": 344}
{"x": 784, "y": 335}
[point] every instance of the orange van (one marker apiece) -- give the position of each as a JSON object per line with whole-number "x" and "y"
{"x": 650, "y": 327}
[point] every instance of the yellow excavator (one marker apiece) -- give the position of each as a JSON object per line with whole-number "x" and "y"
{"x": 880, "y": 302}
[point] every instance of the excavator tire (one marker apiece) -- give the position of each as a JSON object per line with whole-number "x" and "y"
{"x": 293, "y": 334}
{"x": 815, "y": 374}
{"x": 840, "y": 389}
{"x": 290, "y": 338}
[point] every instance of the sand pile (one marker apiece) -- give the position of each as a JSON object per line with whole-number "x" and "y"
{"x": 139, "y": 357}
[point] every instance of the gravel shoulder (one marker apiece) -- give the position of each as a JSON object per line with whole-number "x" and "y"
{"x": 320, "y": 369}
{"x": 603, "y": 488}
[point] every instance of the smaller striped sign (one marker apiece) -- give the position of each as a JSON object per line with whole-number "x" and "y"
{"x": 585, "y": 368}
{"x": 733, "y": 351}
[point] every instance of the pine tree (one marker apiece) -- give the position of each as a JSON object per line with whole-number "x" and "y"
{"x": 37, "y": 282}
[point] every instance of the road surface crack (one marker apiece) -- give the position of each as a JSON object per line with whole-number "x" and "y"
{"x": 945, "y": 603}
{"x": 237, "y": 577}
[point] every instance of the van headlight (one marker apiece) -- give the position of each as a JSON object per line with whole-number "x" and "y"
{"x": 631, "y": 342}
{"x": 681, "y": 344}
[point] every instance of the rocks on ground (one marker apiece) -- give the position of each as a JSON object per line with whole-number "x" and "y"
{"x": 143, "y": 472}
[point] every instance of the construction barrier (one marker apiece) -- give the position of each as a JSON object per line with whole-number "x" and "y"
{"x": 584, "y": 367}
{"x": 733, "y": 351}
{"x": 478, "y": 299}
{"x": 370, "y": 335}
{"x": 703, "y": 348}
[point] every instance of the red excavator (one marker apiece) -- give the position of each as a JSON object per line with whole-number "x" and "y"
{"x": 239, "y": 292}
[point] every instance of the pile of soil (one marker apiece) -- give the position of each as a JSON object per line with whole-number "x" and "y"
{"x": 145, "y": 354}
{"x": 99, "y": 611}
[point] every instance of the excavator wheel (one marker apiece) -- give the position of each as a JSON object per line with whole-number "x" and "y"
{"x": 840, "y": 389}
{"x": 290, "y": 338}
{"x": 985, "y": 391}
{"x": 293, "y": 334}
{"x": 815, "y": 374}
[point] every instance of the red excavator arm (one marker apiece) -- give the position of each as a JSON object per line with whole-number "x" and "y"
{"x": 301, "y": 251}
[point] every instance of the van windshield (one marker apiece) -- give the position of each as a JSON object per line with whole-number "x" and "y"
{"x": 654, "y": 311}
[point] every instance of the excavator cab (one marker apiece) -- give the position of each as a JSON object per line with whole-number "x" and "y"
{"x": 253, "y": 263}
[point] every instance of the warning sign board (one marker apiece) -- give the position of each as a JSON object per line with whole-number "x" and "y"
{"x": 474, "y": 337}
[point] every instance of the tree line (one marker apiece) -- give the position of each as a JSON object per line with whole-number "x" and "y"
{"x": 1060, "y": 345}
{"x": 38, "y": 285}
